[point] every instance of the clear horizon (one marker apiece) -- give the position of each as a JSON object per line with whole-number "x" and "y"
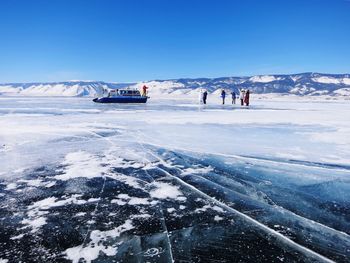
{"x": 131, "y": 41}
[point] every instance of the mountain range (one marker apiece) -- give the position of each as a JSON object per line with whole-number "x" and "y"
{"x": 303, "y": 84}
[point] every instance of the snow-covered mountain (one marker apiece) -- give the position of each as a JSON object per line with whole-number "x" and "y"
{"x": 312, "y": 84}
{"x": 67, "y": 88}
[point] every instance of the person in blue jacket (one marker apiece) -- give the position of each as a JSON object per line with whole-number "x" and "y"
{"x": 233, "y": 94}
{"x": 223, "y": 95}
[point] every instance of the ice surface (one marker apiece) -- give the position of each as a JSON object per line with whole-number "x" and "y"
{"x": 174, "y": 181}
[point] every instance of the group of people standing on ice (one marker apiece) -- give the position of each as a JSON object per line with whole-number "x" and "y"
{"x": 244, "y": 96}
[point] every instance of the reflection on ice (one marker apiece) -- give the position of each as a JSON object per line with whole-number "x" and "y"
{"x": 108, "y": 184}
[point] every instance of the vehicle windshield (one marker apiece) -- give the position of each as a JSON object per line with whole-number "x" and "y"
{"x": 129, "y": 92}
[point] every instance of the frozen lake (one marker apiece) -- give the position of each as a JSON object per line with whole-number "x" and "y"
{"x": 174, "y": 181}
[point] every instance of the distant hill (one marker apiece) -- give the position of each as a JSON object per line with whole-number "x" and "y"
{"x": 310, "y": 84}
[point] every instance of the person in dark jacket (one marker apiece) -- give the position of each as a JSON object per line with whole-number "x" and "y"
{"x": 223, "y": 95}
{"x": 233, "y": 94}
{"x": 205, "y": 95}
{"x": 246, "y": 98}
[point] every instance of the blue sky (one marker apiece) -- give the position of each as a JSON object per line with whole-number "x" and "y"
{"x": 132, "y": 40}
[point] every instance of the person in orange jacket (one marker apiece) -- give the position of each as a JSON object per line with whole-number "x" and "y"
{"x": 144, "y": 90}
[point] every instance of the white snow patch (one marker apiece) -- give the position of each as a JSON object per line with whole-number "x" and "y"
{"x": 49, "y": 184}
{"x": 82, "y": 164}
{"x": 165, "y": 191}
{"x": 124, "y": 196}
{"x": 11, "y": 186}
{"x": 171, "y": 210}
{"x": 17, "y": 237}
{"x": 37, "y": 183}
{"x": 88, "y": 253}
{"x": 218, "y": 209}
{"x": 202, "y": 209}
{"x": 92, "y": 250}
{"x": 218, "y": 218}
{"x": 38, "y": 209}
{"x": 154, "y": 202}
{"x": 80, "y": 214}
{"x": 131, "y": 200}
{"x": 113, "y": 233}
{"x": 138, "y": 201}
{"x": 50, "y": 202}
{"x": 118, "y": 202}
{"x": 206, "y": 207}
{"x": 141, "y": 216}
{"x": 129, "y": 180}
{"x": 93, "y": 199}
{"x": 35, "y": 223}
{"x": 203, "y": 170}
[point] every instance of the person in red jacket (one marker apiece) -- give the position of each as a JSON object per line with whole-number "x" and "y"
{"x": 246, "y": 98}
{"x": 144, "y": 90}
